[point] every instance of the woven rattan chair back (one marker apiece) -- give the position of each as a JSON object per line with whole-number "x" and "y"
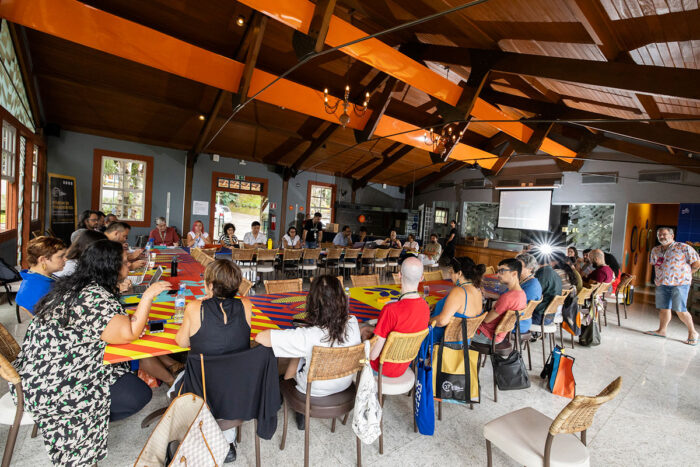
{"x": 453, "y": 330}
{"x": 578, "y": 414}
{"x": 282, "y": 286}
{"x": 402, "y": 348}
{"x": 507, "y": 322}
{"x": 601, "y": 289}
{"x": 242, "y": 254}
{"x": 382, "y": 254}
{"x": 290, "y": 254}
{"x": 244, "y": 288}
{"x": 311, "y": 253}
{"x": 395, "y": 252}
{"x": 369, "y": 280}
{"x": 340, "y": 279}
{"x": 351, "y": 253}
{"x": 266, "y": 255}
{"x": 432, "y": 276}
{"x": 529, "y": 309}
{"x": 584, "y": 295}
{"x": 490, "y": 270}
{"x": 556, "y": 302}
{"x": 335, "y": 362}
{"x": 8, "y": 372}
{"x": 625, "y": 281}
{"x": 209, "y": 251}
{"x": 326, "y": 245}
{"x": 206, "y": 260}
{"x": 9, "y": 348}
{"x": 368, "y": 253}
{"x": 334, "y": 253}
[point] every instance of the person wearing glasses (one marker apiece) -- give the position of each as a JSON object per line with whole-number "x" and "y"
{"x": 514, "y": 300}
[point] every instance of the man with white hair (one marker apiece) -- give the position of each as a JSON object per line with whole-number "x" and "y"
{"x": 410, "y": 313}
{"x": 674, "y": 266}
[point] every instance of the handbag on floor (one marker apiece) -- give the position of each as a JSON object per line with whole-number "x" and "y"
{"x": 510, "y": 371}
{"x": 590, "y": 335}
{"x": 453, "y": 379}
{"x": 558, "y": 371}
{"x": 423, "y": 395}
{"x": 188, "y": 420}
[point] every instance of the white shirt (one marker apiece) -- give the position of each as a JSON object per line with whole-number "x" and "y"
{"x": 68, "y": 269}
{"x": 299, "y": 342}
{"x": 288, "y": 242}
{"x": 412, "y": 245}
{"x": 199, "y": 243}
{"x": 249, "y": 239}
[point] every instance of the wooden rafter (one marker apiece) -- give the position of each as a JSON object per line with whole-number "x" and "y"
{"x": 315, "y": 144}
{"x": 254, "y": 36}
{"x": 305, "y": 133}
{"x": 434, "y": 177}
{"x": 320, "y": 22}
{"x": 386, "y": 163}
{"x": 379, "y": 104}
{"x": 503, "y": 159}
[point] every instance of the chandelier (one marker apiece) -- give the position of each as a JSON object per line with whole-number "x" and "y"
{"x": 447, "y": 138}
{"x": 345, "y": 116}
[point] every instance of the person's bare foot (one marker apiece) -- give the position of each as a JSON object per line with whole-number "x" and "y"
{"x": 693, "y": 339}
{"x": 656, "y": 333}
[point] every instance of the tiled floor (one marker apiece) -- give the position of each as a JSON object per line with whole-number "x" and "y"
{"x": 655, "y": 420}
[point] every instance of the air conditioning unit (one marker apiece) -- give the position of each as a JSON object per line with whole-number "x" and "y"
{"x": 446, "y": 184}
{"x": 603, "y": 177}
{"x": 474, "y": 183}
{"x": 661, "y": 176}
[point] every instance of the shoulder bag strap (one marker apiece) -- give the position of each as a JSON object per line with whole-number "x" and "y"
{"x": 204, "y": 380}
{"x": 467, "y": 363}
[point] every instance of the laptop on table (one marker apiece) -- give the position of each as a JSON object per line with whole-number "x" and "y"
{"x": 137, "y": 281}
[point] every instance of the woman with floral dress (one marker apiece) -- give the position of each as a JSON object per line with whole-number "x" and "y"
{"x": 68, "y": 389}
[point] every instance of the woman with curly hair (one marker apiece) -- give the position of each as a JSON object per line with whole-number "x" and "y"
{"x": 330, "y": 325}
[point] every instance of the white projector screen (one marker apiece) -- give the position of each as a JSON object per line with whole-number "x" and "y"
{"x": 524, "y": 209}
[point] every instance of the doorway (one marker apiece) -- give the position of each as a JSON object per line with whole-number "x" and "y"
{"x": 238, "y": 200}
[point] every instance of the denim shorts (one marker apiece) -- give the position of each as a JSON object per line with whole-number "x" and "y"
{"x": 673, "y": 297}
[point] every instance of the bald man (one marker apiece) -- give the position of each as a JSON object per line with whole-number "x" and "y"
{"x": 601, "y": 272}
{"x": 410, "y": 313}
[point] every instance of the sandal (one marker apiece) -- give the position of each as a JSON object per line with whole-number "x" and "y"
{"x": 654, "y": 333}
{"x": 693, "y": 341}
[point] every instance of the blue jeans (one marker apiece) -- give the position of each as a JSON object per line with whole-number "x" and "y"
{"x": 311, "y": 245}
{"x": 672, "y": 297}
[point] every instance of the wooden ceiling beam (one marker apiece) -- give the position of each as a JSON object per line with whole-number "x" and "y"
{"x": 321, "y": 20}
{"x": 366, "y": 164}
{"x": 445, "y": 170}
{"x": 503, "y": 159}
{"x": 666, "y": 81}
{"x": 254, "y": 36}
{"x": 305, "y": 133}
{"x": 315, "y": 144}
{"x": 379, "y": 104}
{"x": 386, "y": 163}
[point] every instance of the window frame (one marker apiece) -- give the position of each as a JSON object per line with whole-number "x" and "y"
{"x": 310, "y": 185}
{"x": 97, "y": 162}
{"x": 36, "y": 156}
{"x": 441, "y": 210}
{"x": 11, "y": 208}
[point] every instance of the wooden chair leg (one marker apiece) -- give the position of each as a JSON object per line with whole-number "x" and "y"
{"x": 284, "y": 429}
{"x": 257, "y": 444}
{"x": 572, "y": 341}
{"x": 10, "y": 444}
{"x": 439, "y": 410}
{"x": 543, "y": 350}
{"x": 345, "y": 419}
{"x": 238, "y": 434}
{"x": 333, "y": 426}
{"x": 489, "y": 461}
{"x": 561, "y": 336}
{"x": 624, "y": 305}
{"x": 35, "y": 430}
{"x": 306, "y": 438}
{"x": 495, "y": 388}
{"x": 19, "y": 318}
{"x": 529, "y": 357}
{"x": 359, "y": 451}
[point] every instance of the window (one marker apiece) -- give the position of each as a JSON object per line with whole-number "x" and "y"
{"x": 35, "y": 184}
{"x": 321, "y": 198}
{"x": 441, "y": 215}
{"x": 122, "y": 185}
{"x": 7, "y": 174}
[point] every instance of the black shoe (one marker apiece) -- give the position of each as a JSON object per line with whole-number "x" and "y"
{"x": 231, "y": 456}
{"x": 301, "y": 425}
{"x": 535, "y": 337}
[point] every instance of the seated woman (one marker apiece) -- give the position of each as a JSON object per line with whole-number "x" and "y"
{"x": 392, "y": 241}
{"x": 570, "y": 278}
{"x": 71, "y": 392}
{"x": 76, "y": 250}
{"x": 219, "y": 323}
{"x": 291, "y": 239}
{"x": 45, "y": 256}
{"x": 197, "y": 238}
{"x": 361, "y": 235}
{"x": 464, "y": 300}
{"x": 411, "y": 246}
{"x": 330, "y": 325}
{"x": 228, "y": 238}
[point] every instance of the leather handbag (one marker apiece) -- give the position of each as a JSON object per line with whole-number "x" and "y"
{"x": 510, "y": 371}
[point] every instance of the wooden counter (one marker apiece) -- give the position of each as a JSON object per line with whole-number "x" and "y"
{"x": 486, "y": 256}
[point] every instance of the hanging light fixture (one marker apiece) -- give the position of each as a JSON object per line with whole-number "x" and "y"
{"x": 445, "y": 139}
{"x": 345, "y": 102}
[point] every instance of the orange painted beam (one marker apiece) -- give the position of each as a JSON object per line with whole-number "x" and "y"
{"x": 90, "y": 27}
{"x": 297, "y": 14}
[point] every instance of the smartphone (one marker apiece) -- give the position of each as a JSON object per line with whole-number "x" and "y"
{"x": 172, "y": 292}
{"x": 156, "y": 327}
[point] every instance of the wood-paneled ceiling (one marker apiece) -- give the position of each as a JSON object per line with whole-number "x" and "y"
{"x": 620, "y": 54}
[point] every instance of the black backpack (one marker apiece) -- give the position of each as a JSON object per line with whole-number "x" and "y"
{"x": 8, "y": 274}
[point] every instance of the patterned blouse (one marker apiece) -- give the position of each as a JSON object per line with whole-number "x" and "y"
{"x": 65, "y": 383}
{"x": 226, "y": 241}
{"x": 673, "y": 266}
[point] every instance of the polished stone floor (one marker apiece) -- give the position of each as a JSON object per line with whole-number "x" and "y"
{"x": 655, "y": 420}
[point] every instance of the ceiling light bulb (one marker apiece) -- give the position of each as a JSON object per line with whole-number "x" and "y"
{"x": 201, "y": 117}
{"x": 240, "y": 21}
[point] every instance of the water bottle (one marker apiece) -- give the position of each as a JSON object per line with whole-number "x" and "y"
{"x": 179, "y": 314}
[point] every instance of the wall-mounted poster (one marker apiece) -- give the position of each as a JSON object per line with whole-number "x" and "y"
{"x": 62, "y": 214}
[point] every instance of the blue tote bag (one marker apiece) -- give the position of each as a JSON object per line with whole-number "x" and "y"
{"x": 423, "y": 398}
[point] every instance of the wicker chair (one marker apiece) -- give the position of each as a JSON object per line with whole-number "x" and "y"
{"x": 287, "y": 285}
{"x": 265, "y": 261}
{"x": 396, "y": 277}
{"x": 528, "y": 436}
{"x": 243, "y": 257}
{"x": 367, "y": 261}
{"x": 381, "y": 260}
{"x": 340, "y": 279}
{"x": 625, "y": 281}
{"x": 393, "y": 259}
{"x": 453, "y": 333}
{"x": 598, "y": 296}
{"x": 505, "y": 325}
{"x": 490, "y": 270}
{"x": 309, "y": 260}
{"x": 290, "y": 260}
{"x": 9, "y": 414}
{"x": 326, "y": 363}
{"x": 550, "y": 329}
{"x": 244, "y": 288}
{"x": 432, "y": 276}
{"x": 524, "y": 338}
{"x": 349, "y": 261}
{"x": 369, "y": 280}
{"x": 332, "y": 259}
{"x": 398, "y": 348}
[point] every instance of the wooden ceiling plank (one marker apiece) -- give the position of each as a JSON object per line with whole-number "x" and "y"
{"x": 380, "y": 104}
{"x": 433, "y": 178}
{"x": 320, "y": 22}
{"x": 256, "y": 36}
{"x": 386, "y": 163}
{"x": 503, "y": 159}
{"x": 315, "y": 144}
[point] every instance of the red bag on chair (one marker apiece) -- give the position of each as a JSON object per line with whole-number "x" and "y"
{"x": 564, "y": 383}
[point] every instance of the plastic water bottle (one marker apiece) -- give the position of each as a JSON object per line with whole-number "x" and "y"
{"x": 179, "y": 314}
{"x": 347, "y": 293}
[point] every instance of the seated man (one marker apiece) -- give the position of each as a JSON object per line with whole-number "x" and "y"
{"x": 119, "y": 232}
{"x": 431, "y": 251}
{"x": 409, "y": 314}
{"x": 255, "y": 238}
{"x": 361, "y": 236}
{"x": 164, "y": 235}
{"x": 551, "y": 287}
{"x": 87, "y": 221}
{"x": 109, "y": 219}
{"x": 530, "y": 285}
{"x": 601, "y": 272}
{"x": 344, "y": 237}
{"x": 509, "y": 274}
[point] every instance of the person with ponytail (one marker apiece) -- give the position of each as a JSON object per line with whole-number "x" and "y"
{"x": 464, "y": 300}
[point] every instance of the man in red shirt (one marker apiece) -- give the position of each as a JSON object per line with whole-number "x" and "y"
{"x": 602, "y": 272}
{"x": 164, "y": 235}
{"x": 410, "y": 313}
